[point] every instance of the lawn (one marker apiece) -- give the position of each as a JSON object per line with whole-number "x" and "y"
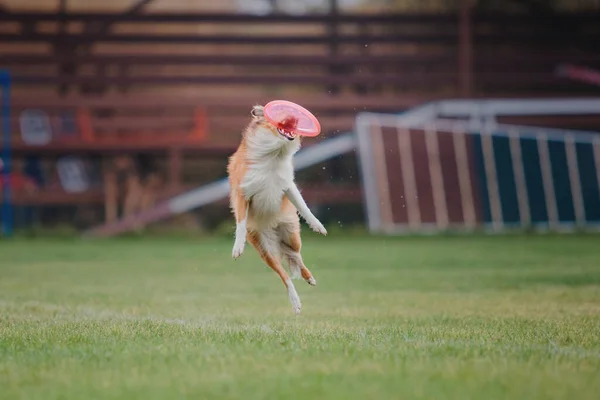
{"x": 391, "y": 318}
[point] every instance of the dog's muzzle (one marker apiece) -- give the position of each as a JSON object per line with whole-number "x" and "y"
{"x": 286, "y": 134}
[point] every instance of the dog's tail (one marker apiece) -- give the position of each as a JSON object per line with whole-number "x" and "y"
{"x": 293, "y": 260}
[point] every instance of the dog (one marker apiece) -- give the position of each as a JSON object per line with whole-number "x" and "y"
{"x": 266, "y": 201}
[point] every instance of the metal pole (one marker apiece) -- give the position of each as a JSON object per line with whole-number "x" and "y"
{"x": 7, "y": 206}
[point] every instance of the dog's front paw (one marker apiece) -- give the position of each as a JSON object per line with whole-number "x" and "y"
{"x": 238, "y": 248}
{"x": 317, "y": 226}
{"x": 240, "y": 240}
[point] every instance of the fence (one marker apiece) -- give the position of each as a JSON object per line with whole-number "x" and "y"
{"x": 452, "y": 53}
{"x": 452, "y": 166}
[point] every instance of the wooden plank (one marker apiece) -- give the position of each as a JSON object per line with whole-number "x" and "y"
{"x": 437, "y": 178}
{"x": 195, "y": 17}
{"x": 383, "y": 183}
{"x": 212, "y": 59}
{"x": 414, "y": 79}
{"x": 123, "y": 147}
{"x": 489, "y": 163}
{"x": 596, "y": 152}
{"x": 547, "y": 179}
{"x": 498, "y": 61}
{"x": 575, "y": 179}
{"x": 450, "y": 38}
{"x": 411, "y": 195}
{"x": 144, "y": 123}
{"x": 419, "y": 79}
{"x": 213, "y": 17}
{"x": 350, "y": 103}
{"x": 467, "y": 195}
{"x": 261, "y": 40}
{"x": 516, "y": 156}
{"x": 153, "y": 123}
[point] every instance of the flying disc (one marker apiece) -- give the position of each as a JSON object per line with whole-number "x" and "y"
{"x": 292, "y": 117}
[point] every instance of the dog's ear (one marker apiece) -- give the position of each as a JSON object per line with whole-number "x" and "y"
{"x": 257, "y": 111}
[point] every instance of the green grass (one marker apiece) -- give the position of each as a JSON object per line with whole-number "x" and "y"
{"x": 403, "y": 318}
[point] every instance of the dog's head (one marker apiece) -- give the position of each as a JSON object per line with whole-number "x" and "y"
{"x": 286, "y": 130}
{"x": 266, "y": 138}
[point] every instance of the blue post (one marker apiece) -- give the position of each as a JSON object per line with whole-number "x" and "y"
{"x": 7, "y": 206}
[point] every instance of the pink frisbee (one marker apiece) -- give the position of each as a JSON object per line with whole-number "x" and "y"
{"x": 292, "y": 117}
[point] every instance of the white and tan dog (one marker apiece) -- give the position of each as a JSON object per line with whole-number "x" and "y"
{"x": 266, "y": 202}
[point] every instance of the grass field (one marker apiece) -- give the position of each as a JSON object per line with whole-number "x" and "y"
{"x": 404, "y": 318}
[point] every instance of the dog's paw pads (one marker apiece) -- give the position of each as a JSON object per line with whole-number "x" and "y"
{"x": 312, "y": 281}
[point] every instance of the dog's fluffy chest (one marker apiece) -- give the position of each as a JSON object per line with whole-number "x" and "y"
{"x": 265, "y": 182}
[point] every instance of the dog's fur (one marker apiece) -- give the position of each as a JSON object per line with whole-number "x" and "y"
{"x": 266, "y": 202}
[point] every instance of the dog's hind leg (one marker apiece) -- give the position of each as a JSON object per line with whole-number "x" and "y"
{"x": 291, "y": 244}
{"x": 267, "y": 245}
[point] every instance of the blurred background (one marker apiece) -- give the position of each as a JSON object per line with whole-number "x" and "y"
{"x": 119, "y": 115}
